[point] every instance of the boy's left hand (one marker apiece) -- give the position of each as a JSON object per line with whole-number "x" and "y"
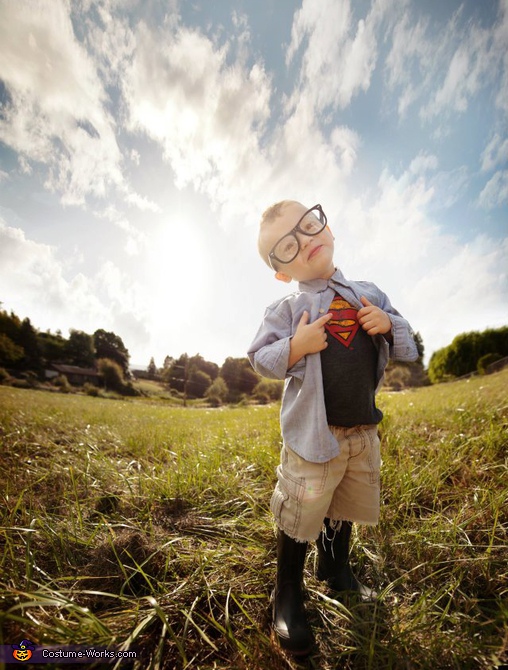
{"x": 373, "y": 319}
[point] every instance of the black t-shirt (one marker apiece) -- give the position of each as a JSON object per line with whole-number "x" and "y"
{"x": 349, "y": 366}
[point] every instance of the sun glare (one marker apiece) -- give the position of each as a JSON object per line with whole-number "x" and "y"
{"x": 178, "y": 268}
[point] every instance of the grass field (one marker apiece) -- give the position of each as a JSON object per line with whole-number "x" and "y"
{"x": 147, "y": 527}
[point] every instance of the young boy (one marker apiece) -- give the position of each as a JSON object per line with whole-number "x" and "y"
{"x": 331, "y": 342}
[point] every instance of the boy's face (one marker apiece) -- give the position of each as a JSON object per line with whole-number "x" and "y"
{"x": 315, "y": 257}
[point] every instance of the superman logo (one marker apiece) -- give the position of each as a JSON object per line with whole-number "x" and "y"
{"x": 344, "y": 323}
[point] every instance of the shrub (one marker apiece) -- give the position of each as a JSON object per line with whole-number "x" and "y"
{"x": 267, "y": 390}
{"x": 91, "y": 389}
{"x": 485, "y": 361}
{"x": 112, "y": 375}
{"x": 217, "y": 393}
{"x": 62, "y": 383}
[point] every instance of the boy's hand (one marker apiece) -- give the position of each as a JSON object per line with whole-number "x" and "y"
{"x": 373, "y": 319}
{"x": 309, "y": 338}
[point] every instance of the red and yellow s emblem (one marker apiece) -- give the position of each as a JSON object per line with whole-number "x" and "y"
{"x": 344, "y": 322}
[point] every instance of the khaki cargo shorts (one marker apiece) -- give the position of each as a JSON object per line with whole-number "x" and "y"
{"x": 345, "y": 488}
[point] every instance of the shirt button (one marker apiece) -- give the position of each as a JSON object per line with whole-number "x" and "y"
{"x": 321, "y": 311}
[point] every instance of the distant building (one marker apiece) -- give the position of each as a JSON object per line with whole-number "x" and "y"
{"x": 75, "y": 375}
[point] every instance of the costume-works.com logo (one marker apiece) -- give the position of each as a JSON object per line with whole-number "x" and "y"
{"x": 23, "y": 651}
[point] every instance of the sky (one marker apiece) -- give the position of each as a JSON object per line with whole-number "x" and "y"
{"x": 141, "y": 140}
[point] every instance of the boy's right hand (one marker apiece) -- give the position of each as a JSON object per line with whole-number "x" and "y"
{"x": 309, "y": 338}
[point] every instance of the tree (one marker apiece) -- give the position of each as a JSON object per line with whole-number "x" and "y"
{"x": 152, "y": 369}
{"x": 32, "y": 359}
{"x": 168, "y": 362}
{"x": 190, "y": 375}
{"x": 10, "y": 353}
{"x": 10, "y": 325}
{"x": 217, "y": 392}
{"x": 239, "y": 377}
{"x": 112, "y": 374}
{"x": 198, "y": 384}
{"x": 177, "y": 375}
{"x": 52, "y": 347}
{"x": 109, "y": 345}
{"x": 80, "y": 349}
{"x": 419, "y": 346}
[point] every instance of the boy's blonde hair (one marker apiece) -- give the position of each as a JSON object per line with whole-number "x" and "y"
{"x": 269, "y": 215}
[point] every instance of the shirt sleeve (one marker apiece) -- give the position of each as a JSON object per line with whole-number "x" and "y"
{"x": 269, "y": 351}
{"x": 403, "y": 347}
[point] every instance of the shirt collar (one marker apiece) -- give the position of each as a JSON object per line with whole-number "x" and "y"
{"x": 318, "y": 285}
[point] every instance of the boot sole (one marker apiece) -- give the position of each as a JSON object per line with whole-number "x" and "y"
{"x": 298, "y": 653}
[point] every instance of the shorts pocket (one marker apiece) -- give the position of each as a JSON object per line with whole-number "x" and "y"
{"x": 277, "y": 503}
{"x": 374, "y": 458}
{"x": 286, "y": 501}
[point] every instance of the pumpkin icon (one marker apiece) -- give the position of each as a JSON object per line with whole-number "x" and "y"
{"x": 23, "y": 651}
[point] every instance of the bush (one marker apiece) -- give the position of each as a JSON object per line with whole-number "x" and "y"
{"x": 31, "y": 378}
{"x": 268, "y": 390}
{"x": 4, "y": 376}
{"x": 217, "y": 393}
{"x": 62, "y": 383}
{"x": 91, "y": 389}
{"x": 112, "y": 375}
{"x": 485, "y": 361}
{"x": 20, "y": 384}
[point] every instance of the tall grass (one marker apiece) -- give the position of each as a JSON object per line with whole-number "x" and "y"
{"x": 144, "y": 526}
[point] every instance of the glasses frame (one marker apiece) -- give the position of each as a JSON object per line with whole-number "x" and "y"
{"x": 292, "y": 233}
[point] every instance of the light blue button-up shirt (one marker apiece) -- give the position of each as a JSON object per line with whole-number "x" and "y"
{"x": 303, "y": 415}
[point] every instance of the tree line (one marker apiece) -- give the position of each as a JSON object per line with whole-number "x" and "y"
{"x": 195, "y": 377}
{"x": 24, "y": 349}
{"x": 469, "y": 353}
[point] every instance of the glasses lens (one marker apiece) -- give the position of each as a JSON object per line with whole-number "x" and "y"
{"x": 313, "y": 222}
{"x": 286, "y": 248}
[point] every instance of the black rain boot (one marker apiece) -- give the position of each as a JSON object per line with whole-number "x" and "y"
{"x": 289, "y": 618}
{"x": 333, "y": 561}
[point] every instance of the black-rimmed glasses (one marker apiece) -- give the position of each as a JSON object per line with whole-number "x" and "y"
{"x": 288, "y": 247}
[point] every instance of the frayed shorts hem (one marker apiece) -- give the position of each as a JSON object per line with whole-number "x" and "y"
{"x": 315, "y": 538}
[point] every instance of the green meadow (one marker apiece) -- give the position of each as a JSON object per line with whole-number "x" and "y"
{"x": 136, "y": 524}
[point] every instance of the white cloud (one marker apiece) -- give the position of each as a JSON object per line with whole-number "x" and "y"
{"x": 346, "y": 143}
{"x": 444, "y": 66}
{"x": 409, "y": 47}
{"x": 495, "y": 153}
{"x": 495, "y": 192}
{"x": 56, "y": 113}
{"x": 500, "y": 39}
{"x": 423, "y": 163}
{"x": 339, "y": 57}
{"x": 32, "y": 276}
{"x": 34, "y": 282}
{"x": 142, "y": 203}
{"x": 110, "y": 38}
{"x": 207, "y": 114}
{"x": 468, "y": 286}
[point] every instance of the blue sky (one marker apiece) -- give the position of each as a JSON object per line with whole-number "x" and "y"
{"x": 140, "y": 142}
